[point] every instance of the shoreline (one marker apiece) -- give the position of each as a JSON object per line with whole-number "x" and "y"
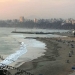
{"x": 55, "y": 57}
{"x": 33, "y": 51}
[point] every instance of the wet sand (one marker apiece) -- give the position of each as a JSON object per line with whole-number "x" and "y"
{"x": 55, "y": 60}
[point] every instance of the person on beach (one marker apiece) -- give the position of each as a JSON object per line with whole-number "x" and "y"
{"x": 70, "y": 54}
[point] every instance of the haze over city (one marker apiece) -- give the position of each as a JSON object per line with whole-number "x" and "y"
{"x": 31, "y": 9}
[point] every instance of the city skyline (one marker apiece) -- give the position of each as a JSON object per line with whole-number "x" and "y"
{"x": 10, "y": 9}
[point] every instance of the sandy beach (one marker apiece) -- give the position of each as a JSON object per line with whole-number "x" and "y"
{"x": 50, "y": 57}
{"x": 55, "y": 61}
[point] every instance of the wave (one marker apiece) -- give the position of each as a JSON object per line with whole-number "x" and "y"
{"x": 13, "y": 57}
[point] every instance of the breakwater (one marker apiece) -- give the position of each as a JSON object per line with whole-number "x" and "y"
{"x": 32, "y": 32}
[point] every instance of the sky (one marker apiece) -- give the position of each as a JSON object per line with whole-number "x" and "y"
{"x": 30, "y": 9}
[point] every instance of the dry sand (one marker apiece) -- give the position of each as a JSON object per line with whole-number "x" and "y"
{"x": 54, "y": 62}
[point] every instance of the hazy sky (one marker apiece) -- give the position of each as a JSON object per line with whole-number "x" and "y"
{"x": 13, "y": 9}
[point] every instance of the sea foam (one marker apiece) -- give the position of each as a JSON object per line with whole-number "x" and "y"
{"x": 13, "y": 57}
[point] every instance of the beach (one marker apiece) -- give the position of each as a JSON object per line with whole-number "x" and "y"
{"x": 55, "y": 60}
{"x": 46, "y": 54}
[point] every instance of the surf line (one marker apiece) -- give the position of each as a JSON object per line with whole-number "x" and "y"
{"x": 13, "y": 57}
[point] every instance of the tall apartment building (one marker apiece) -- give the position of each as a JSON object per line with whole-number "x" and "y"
{"x": 21, "y": 19}
{"x": 35, "y": 20}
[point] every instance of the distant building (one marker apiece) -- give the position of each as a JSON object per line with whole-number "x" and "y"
{"x": 62, "y": 23}
{"x": 73, "y": 22}
{"x": 68, "y": 21}
{"x": 21, "y": 19}
{"x": 35, "y": 20}
{"x": 52, "y": 20}
{"x": 15, "y": 20}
